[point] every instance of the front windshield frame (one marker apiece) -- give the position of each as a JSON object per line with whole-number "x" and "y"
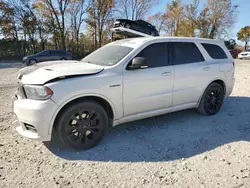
{"x": 98, "y": 56}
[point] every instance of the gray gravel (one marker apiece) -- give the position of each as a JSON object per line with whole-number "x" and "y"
{"x": 183, "y": 149}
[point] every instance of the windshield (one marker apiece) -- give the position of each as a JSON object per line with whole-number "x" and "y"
{"x": 108, "y": 55}
{"x": 42, "y": 53}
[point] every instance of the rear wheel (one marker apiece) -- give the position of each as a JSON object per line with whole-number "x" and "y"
{"x": 212, "y": 99}
{"x": 82, "y": 125}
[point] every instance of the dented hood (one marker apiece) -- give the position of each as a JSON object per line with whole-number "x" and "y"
{"x": 44, "y": 72}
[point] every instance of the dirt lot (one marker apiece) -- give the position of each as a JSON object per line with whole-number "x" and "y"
{"x": 183, "y": 149}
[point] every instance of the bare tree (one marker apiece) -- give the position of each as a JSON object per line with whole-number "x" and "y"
{"x": 24, "y": 14}
{"x": 134, "y": 9}
{"x": 158, "y": 20}
{"x": 217, "y": 17}
{"x": 58, "y": 9}
{"x": 100, "y": 12}
{"x": 78, "y": 9}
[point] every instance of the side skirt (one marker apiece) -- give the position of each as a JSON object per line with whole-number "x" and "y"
{"x": 153, "y": 113}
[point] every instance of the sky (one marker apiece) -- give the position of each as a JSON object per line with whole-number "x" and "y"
{"x": 243, "y": 18}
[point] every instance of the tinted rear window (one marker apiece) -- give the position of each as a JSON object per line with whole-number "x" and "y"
{"x": 184, "y": 52}
{"x": 215, "y": 51}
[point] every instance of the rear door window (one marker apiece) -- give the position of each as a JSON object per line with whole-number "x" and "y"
{"x": 184, "y": 53}
{"x": 215, "y": 51}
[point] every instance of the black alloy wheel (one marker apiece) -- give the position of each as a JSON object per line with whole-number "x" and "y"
{"x": 32, "y": 62}
{"x": 212, "y": 99}
{"x": 83, "y": 125}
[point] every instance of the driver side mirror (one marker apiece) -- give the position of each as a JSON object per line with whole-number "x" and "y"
{"x": 138, "y": 63}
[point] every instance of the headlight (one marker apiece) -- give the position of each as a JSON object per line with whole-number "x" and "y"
{"x": 38, "y": 92}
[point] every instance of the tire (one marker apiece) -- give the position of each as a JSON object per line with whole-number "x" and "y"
{"x": 85, "y": 131}
{"x": 212, "y": 99}
{"x": 32, "y": 62}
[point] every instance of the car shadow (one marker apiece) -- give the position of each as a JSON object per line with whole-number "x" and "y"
{"x": 168, "y": 137}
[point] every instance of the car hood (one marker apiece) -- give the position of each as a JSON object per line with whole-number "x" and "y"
{"x": 44, "y": 72}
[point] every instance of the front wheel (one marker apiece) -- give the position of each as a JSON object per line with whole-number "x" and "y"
{"x": 212, "y": 99}
{"x": 82, "y": 125}
{"x": 32, "y": 62}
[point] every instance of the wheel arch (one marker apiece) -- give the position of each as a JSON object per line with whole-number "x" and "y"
{"x": 215, "y": 80}
{"x": 103, "y": 101}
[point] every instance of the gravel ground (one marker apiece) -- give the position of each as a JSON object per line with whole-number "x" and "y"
{"x": 183, "y": 149}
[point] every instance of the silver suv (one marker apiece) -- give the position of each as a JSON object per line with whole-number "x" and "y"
{"x": 120, "y": 82}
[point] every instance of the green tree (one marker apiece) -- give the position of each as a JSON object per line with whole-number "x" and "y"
{"x": 244, "y": 35}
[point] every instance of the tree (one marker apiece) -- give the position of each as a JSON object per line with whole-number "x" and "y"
{"x": 45, "y": 25}
{"x": 99, "y": 15}
{"x": 244, "y": 35}
{"x": 174, "y": 16}
{"x": 216, "y": 18}
{"x": 189, "y": 24}
{"x": 25, "y": 17}
{"x": 19, "y": 21}
{"x": 134, "y": 9}
{"x": 203, "y": 23}
{"x": 58, "y": 10}
{"x": 158, "y": 20}
{"x": 78, "y": 9}
{"x": 7, "y": 21}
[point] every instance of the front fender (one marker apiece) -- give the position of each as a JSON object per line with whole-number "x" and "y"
{"x": 77, "y": 97}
